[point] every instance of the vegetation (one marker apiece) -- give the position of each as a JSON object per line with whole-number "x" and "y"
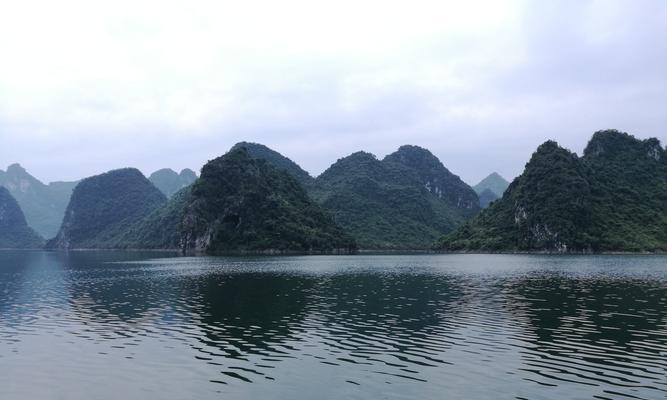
{"x": 495, "y": 183}
{"x": 169, "y": 182}
{"x": 14, "y": 230}
{"x": 261, "y": 152}
{"x": 103, "y": 206}
{"x": 405, "y": 201}
{"x": 614, "y": 198}
{"x": 241, "y": 203}
{"x": 43, "y": 205}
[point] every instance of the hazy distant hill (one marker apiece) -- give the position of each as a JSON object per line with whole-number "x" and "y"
{"x": 486, "y": 197}
{"x": 43, "y": 205}
{"x": 14, "y": 230}
{"x": 494, "y": 182}
{"x": 613, "y": 198}
{"x": 104, "y": 205}
{"x": 405, "y": 201}
{"x": 240, "y": 204}
{"x": 169, "y": 182}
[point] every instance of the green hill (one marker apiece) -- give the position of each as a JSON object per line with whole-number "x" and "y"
{"x": 14, "y": 230}
{"x": 494, "y": 182}
{"x": 240, "y": 204}
{"x": 405, "y": 201}
{"x": 103, "y": 206}
{"x": 43, "y": 205}
{"x": 613, "y": 198}
{"x": 169, "y": 182}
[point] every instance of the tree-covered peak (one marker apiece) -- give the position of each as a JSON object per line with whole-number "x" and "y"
{"x": 614, "y": 198}
{"x": 260, "y": 151}
{"x": 103, "y": 205}
{"x": 614, "y": 143}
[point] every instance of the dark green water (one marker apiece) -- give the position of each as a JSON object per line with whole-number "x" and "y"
{"x": 134, "y": 326}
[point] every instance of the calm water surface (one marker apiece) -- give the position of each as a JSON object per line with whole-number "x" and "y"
{"x": 95, "y": 325}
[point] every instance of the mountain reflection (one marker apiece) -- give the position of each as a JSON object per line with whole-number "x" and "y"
{"x": 592, "y": 330}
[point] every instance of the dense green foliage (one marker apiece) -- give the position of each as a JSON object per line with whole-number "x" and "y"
{"x": 436, "y": 178}
{"x": 261, "y": 152}
{"x": 614, "y": 198}
{"x": 494, "y": 182}
{"x": 102, "y": 207}
{"x": 486, "y": 197}
{"x": 161, "y": 229}
{"x": 14, "y": 230}
{"x": 405, "y": 201}
{"x": 241, "y": 203}
{"x": 43, "y": 205}
{"x": 169, "y": 182}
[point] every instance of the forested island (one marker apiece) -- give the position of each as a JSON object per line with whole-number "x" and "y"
{"x": 252, "y": 199}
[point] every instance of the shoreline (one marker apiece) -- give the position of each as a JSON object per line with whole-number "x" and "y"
{"x": 361, "y": 252}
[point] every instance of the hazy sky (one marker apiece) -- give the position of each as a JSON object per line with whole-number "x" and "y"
{"x": 87, "y": 86}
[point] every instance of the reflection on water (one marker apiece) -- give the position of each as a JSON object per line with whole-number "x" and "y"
{"x": 146, "y": 325}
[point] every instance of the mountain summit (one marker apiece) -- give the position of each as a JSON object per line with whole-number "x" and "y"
{"x": 614, "y": 198}
{"x": 103, "y": 206}
{"x": 405, "y": 201}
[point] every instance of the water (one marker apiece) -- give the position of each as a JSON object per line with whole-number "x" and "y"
{"x": 96, "y": 325}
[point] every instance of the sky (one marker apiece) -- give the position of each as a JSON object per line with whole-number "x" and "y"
{"x": 89, "y": 86}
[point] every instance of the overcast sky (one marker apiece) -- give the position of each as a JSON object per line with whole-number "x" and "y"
{"x": 87, "y": 86}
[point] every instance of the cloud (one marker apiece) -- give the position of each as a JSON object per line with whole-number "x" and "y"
{"x": 87, "y": 87}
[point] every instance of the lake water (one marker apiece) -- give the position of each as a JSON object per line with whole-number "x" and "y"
{"x": 94, "y": 325}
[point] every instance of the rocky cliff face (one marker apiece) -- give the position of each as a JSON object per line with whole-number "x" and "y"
{"x": 14, "y": 230}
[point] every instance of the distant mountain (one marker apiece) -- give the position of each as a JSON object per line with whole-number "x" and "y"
{"x": 405, "y": 201}
{"x": 240, "y": 204}
{"x": 103, "y": 206}
{"x": 486, "y": 197}
{"x": 14, "y": 230}
{"x": 494, "y": 182}
{"x": 43, "y": 205}
{"x": 261, "y": 152}
{"x": 169, "y": 182}
{"x": 613, "y": 198}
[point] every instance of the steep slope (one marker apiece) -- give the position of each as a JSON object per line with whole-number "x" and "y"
{"x": 43, "y": 205}
{"x": 103, "y": 206}
{"x": 14, "y": 230}
{"x": 261, "y": 152}
{"x": 169, "y": 182}
{"x": 494, "y": 182}
{"x": 244, "y": 204}
{"x": 436, "y": 178}
{"x": 614, "y": 198}
{"x": 389, "y": 204}
{"x": 486, "y": 197}
{"x": 240, "y": 204}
